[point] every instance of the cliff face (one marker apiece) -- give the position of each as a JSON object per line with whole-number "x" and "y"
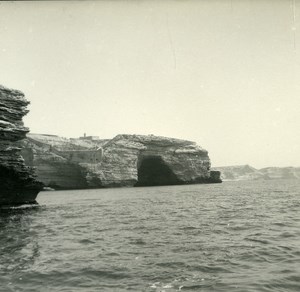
{"x": 246, "y": 172}
{"x": 52, "y": 169}
{"x": 126, "y": 160}
{"x": 17, "y": 182}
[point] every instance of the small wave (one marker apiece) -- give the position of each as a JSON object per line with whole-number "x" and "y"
{"x": 138, "y": 241}
{"x": 112, "y": 254}
{"x": 106, "y": 274}
{"x": 19, "y": 210}
{"x": 171, "y": 264}
{"x": 210, "y": 269}
{"x": 86, "y": 241}
{"x": 189, "y": 228}
{"x": 196, "y": 287}
{"x": 287, "y": 234}
{"x": 258, "y": 240}
{"x": 281, "y": 224}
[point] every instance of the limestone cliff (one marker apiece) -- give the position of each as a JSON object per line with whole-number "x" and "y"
{"x": 126, "y": 160}
{"x": 17, "y": 182}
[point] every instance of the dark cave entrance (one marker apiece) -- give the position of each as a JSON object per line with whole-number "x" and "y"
{"x": 153, "y": 171}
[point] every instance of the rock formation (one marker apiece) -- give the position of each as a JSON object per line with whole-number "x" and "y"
{"x": 17, "y": 182}
{"x": 247, "y": 172}
{"x": 126, "y": 160}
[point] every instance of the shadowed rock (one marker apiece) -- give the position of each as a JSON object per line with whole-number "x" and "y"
{"x": 17, "y": 182}
{"x": 152, "y": 171}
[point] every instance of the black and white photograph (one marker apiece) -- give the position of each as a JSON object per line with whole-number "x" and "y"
{"x": 150, "y": 145}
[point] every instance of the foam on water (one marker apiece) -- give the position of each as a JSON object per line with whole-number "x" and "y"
{"x": 19, "y": 207}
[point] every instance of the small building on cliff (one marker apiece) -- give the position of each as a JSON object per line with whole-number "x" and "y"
{"x": 90, "y": 138}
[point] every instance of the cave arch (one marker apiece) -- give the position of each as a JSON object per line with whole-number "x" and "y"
{"x": 153, "y": 171}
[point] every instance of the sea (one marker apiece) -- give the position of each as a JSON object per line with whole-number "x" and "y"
{"x": 234, "y": 236}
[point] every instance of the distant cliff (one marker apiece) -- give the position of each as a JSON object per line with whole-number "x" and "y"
{"x": 246, "y": 172}
{"x": 126, "y": 160}
{"x": 17, "y": 182}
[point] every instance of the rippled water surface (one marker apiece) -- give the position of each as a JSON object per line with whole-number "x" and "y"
{"x": 235, "y": 236}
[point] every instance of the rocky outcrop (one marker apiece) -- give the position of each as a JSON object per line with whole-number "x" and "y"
{"x": 247, "y": 172}
{"x": 126, "y": 160}
{"x": 17, "y": 182}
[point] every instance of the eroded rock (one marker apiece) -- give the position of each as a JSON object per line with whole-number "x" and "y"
{"x": 17, "y": 181}
{"x": 126, "y": 160}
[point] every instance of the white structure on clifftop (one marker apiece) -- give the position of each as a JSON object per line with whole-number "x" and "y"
{"x": 91, "y": 138}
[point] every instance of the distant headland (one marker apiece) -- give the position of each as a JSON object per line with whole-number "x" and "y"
{"x": 247, "y": 172}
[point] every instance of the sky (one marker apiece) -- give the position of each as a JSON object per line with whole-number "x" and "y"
{"x": 225, "y": 74}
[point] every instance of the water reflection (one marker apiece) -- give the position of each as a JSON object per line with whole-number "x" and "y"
{"x": 19, "y": 246}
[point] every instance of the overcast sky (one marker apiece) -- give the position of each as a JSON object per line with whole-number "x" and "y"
{"x": 225, "y": 74}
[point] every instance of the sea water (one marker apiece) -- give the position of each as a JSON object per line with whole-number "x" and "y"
{"x": 234, "y": 236}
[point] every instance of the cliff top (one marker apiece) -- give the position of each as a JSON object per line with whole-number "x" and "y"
{"x": 121, "y": 140}
{"x": 10, "y": 90}
{"x": 13, "y": 95}
{"x": 152, "y": 139}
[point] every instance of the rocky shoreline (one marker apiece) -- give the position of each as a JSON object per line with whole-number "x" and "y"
{"x": 31, "y": 162}
{"x": 124, "y": 161}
